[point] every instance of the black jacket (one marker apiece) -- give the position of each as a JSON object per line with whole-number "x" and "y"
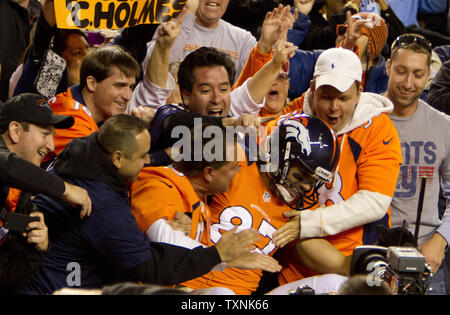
{"x": 108, "y": 245}
{"x": 19, "y": 260}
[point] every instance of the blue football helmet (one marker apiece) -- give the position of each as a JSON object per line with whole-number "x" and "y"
{"x": 308, "y": 144}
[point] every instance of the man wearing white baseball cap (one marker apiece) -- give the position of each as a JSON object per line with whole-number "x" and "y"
{"x": 339, "y": 68}
{"x": 359, "y": 198}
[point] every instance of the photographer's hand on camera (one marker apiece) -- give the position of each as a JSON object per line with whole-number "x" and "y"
{"x": 37, "y": 232}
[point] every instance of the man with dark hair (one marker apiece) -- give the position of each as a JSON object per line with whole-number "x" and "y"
{"x": 108, "y": 247}
{"x": 206, "y": 78}
{"x": 27, "y": 126}
{"x": 423, "y": 133}
{"x": 204, "y": 58}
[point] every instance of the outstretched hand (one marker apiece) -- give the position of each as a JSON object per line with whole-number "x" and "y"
{"x": 246, "y": 120}
{"x": 232, "y": 244}
{"x": 255, "y": 261}
{"x": 290, "y": 231}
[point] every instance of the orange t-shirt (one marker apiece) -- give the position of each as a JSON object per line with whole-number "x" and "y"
{"x": 10, "y": 205}
{"x": 247, "y": 204}
{"x": 65, "y": 104}
{"x": 161, "y": 191}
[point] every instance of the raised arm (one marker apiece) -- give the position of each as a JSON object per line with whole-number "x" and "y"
{"x": 157, "y": 84}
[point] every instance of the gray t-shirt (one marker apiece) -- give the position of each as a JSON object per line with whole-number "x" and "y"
{"x": 234, "y": 41}
{"x": 425, "y": 141}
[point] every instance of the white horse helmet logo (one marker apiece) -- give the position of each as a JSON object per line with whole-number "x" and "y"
{"x": 295, "y": 129}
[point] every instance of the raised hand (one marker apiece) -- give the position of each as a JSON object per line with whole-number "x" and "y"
{"x": 273, "y": 26}
{"x": 145, "y": 113}
{"x": 168, "y": 31}
{"x": 354, "y": 27}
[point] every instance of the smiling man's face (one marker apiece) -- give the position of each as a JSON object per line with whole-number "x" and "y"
{"x": 209, "y": 12}
{"x": 408, "y": 75}
{"x": 112, "y": 95}
{"x": 35, "y": 142}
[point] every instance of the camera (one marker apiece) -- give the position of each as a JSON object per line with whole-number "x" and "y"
{"x": 303, "y": 290}
{"x": 403, "y": 268}
{"x": 399, "y": 264}
{"x": 16, "y": 221}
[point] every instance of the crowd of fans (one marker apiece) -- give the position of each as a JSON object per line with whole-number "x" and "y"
{"x": 347, "y": 102}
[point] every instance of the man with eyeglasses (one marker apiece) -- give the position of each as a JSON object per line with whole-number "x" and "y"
{"x": 424, "y": 135}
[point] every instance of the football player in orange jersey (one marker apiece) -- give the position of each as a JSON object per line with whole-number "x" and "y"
{"x": 183, "y": 188}
{"x": 259, "y": 195}
{"x": 360, "y": 196}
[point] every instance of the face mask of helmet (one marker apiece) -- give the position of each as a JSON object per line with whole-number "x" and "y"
{"x": 294, "y": 195}
{"x": 309, "y": 144}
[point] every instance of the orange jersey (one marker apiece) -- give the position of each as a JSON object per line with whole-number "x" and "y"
{"x": 12, "y": 199}
{"x": 247, "y": 204}
{"x": 255, "y": 61}
{"x": 370, "y": 155}
{"x": 65, "y": 104}
{"x": 10, "y": 205}
{"x": 161, "y": 191}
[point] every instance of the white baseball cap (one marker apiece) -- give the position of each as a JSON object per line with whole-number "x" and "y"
{"x": 338, "y": 67}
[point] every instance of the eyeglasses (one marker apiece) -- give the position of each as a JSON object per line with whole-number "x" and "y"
{"x": 404, "y": 41}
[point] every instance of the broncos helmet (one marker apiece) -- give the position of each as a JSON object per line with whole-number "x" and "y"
{"x": 309, "y": 143}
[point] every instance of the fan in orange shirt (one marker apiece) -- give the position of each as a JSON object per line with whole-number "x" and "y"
{"x": 360, "y": 196}
{"x": 308, "y": 155}
{"x": 161, "y": 192}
